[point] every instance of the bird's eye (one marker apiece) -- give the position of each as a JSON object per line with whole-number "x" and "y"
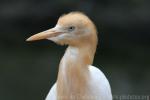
{"x": 71, "y": 28}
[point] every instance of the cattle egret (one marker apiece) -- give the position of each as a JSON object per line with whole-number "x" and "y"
{"x": 77, "y": 78}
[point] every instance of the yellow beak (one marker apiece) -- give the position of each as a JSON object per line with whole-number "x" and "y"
{"x": 44, "y": 35}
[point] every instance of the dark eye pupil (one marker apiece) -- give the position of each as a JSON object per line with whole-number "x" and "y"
{"x": 71, "y": 28}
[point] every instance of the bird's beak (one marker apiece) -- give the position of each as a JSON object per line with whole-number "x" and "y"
{"x": 44, "y": 35}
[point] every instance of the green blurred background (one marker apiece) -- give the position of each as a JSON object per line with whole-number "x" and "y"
{"x": 28, "y": 70}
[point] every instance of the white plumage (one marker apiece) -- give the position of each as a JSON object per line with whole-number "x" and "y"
{"x": 99, "y": 86}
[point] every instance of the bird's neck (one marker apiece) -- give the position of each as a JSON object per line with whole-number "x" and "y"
{"x": 73, "y": 70}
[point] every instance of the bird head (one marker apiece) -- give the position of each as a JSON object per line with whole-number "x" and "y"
{"x": 72, "y": 29}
